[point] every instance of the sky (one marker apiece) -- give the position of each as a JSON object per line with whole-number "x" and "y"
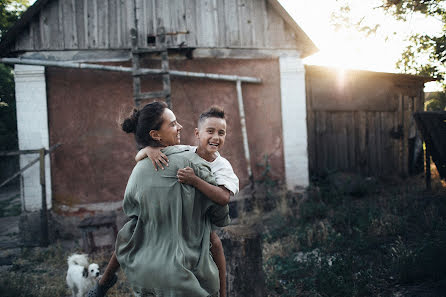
{"x": 350, "y": 49}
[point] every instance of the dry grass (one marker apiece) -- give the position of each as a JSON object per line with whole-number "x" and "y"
{"x": 41, "y": 272}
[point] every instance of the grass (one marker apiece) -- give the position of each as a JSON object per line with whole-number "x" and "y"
{"x": 41, "y": 272}
{"x": 359, "y": 238}
{"x": 375, "y": 241}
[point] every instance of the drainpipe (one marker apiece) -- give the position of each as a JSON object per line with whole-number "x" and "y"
{"x": 241, "y": 109}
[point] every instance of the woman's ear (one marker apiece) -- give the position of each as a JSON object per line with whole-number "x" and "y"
{"x": 155, "y": 135}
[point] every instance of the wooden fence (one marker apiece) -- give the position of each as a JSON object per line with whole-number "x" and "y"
{"x": 361, "y": 121}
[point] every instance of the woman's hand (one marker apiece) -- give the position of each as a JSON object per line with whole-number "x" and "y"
{"x": 155, "y": 155}
{"x": 187, "y": 176}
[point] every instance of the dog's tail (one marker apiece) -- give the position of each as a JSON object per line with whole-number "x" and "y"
{"x": 78, "y": 259}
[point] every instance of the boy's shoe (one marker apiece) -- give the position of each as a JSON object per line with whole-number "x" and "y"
{"x": 100, "y": 290}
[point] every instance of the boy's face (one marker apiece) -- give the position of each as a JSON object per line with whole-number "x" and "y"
{"x": 211, "y": 134}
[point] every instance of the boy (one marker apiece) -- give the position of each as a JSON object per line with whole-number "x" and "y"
{"x": 211, "y": 134}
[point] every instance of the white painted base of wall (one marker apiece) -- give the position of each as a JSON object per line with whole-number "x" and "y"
{"x": 294, "y": 121}
{"x": 32, "y": 129}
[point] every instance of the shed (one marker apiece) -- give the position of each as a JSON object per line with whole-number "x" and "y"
{"x": 362, "y": 121}
{"x": 79, "y": 107}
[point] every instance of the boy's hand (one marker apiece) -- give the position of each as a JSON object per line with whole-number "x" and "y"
{"x": 155, "y": 155}
{"x": 187, "y": 176}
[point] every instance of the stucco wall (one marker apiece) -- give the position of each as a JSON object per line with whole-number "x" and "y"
{"x": 91, "y": 168}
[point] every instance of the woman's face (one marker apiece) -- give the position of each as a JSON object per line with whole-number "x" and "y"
{"x": 169, "y": 133}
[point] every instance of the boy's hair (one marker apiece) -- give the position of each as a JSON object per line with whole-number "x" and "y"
{"x": 214, "y": 112}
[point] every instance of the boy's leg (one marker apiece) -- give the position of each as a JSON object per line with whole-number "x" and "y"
{"x": 107, "y": 280}
{"x": 110, "y": 270}
{"x": 219, "y": 258}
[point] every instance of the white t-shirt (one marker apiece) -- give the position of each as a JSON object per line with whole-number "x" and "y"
{"x": 222, "y": 170}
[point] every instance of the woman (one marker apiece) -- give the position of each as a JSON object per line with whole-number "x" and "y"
{"x": 164, "y": 248}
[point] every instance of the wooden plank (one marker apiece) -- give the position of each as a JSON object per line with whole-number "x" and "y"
{"x": 407, "y": 116}
{"x": 214, "y": 22}
{"x": 335, "y": 142}
{"x": 351, "y": 136}
{"x": 259, "y": 23}
{"x": 321, "y": 155}
{"x": 91, "y": 23}
{"x": 400, "y": 116}
{"x": 245, "y": 21}
{"x": 275, "y": 28}
{"x": 371, "y": 149}
{"x": 35, "y": 34}
{"x": 49, "y": 27}
{"x": 173, "y": 22}
{"x": 205, "y": 23}
{"x": 396, "y": 142}
{"x": 113, "y": 24}
{"x": 231, "y": 28}
{"x": 312, "y": 155}
{"x": 143, "y": 22}
{"x": 148, "y": 15}
{"x": 102, "y": 23}
{"x": 128, "y": 14}
{"x": 180, "y": 24}
{"x": 75, "y": 39}
{"x": 379, "y": 143}
{"x": 356, "y": 152}
{"x": 44, "y": 28}
{"x": 163, "y": 19}
{"x": 119, "y": 20}
{"x": 69, "y": 26}
{"x": 311, "y": 142}
{"x": 24, "y": 41}
{"x": 191, "y": 23}
{"x": 388, "y": 160}
{"x": 82, "y": 30}
{"x": 61, "y": 24}
{"x": 221, "y": 15}
{"x": 363, "y": 142}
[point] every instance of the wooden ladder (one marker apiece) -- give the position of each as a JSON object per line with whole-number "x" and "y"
{"x": 161, "y": 48}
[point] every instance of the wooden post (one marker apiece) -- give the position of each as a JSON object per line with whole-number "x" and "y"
{"x": 428, "y": 168}
{"x": 43, "y": 211}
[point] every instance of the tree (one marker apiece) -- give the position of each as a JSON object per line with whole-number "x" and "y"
{"x": 426, "y": 54}
{"x": 433, "y": 47}
{"x": 10, "y": 11}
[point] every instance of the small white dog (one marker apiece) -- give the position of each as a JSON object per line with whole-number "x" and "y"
{"x": 81, "y": 276}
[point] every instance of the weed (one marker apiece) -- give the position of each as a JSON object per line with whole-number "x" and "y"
{"x": 350, "y": 245}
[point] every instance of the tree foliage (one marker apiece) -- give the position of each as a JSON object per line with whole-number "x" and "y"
{"x": 425, "y": 54}
{"x": 10, "y": 11}
{"x": 431, "y": 46}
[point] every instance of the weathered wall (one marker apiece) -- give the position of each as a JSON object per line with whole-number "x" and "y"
{"x": 106, "y": 24}
{"x": 96, "y": 157}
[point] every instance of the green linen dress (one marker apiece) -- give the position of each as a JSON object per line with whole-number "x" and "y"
{"x": 164, "y": 248}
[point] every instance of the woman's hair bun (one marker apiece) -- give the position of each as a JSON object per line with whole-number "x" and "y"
{"x": 130, "y": 123}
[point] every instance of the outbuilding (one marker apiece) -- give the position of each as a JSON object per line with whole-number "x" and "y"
{"x": 79, "y": 108}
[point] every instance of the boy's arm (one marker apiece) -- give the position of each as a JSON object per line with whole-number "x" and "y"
{"x": 155, "y": 155}
{"x": 217, "y": 194}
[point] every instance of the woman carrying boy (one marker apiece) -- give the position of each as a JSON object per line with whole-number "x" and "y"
{"x": 139, "y": 241}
